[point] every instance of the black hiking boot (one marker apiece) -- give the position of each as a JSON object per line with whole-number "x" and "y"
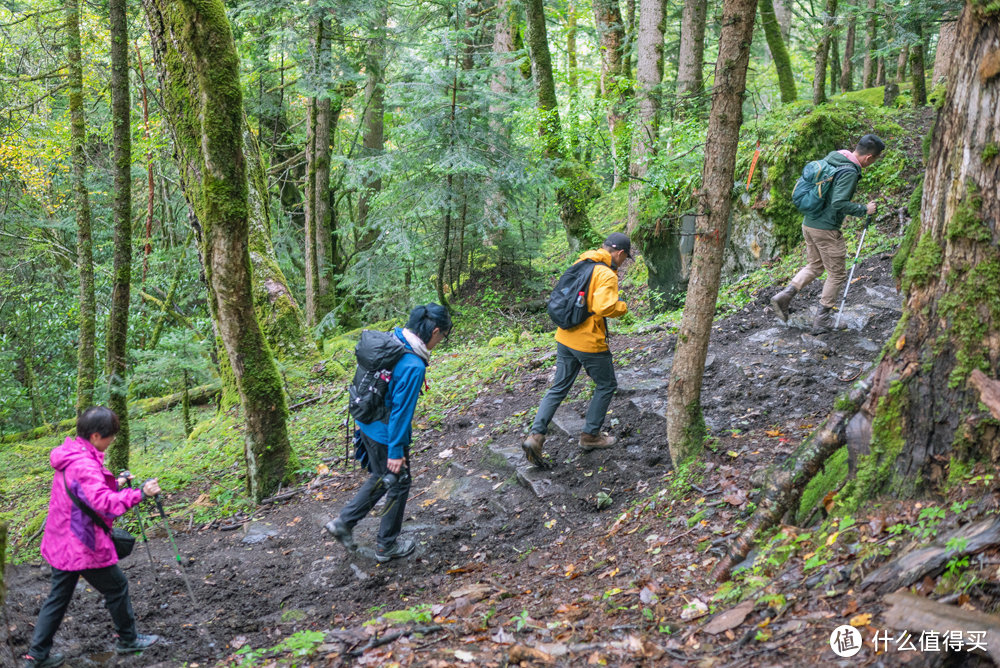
{"x": 780, "y": 302}
{"x": 344, "y": 536}
{"x": 403, "y": 547}
{"x": 51, "y": 661}
{"x": 141, "y": 642}
{"x": 532, "y": 448}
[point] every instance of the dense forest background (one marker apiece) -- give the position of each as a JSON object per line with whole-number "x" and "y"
{"x": 452, "y": 151}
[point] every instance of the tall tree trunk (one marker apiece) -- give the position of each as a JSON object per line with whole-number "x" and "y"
{"x": 776, "y": 45}
{"x": 783, "y": 11}
{"x": 501, "y": 86}
{"x": 611, "y": 32}
{"x": 577, "y": 189}
{"x": 6, "y": 654}
{"x": 847, "y": 68}
{"x": 374, "y": 122}
{"x": 321, "y": 154}
{"x": 904, "y": 56}
{"x": 309, "y": 217}
{"x": 823, "y": 52}
{"x": 880, "y": 73}
{"x": 943, "y": 52}
{"x": 121, "y": 209}
{"x": 629, "y": 38}
{"x": 685, "y": 424}
{"x": 572, "y": 79}
{"x": 869, "y": 71}
{"x": 86, "y": 372}
{"x": 924, "y": 406}
{"x": 692, "y": 50}
{"x": 200, "y": 79}
{"x": 917, "y": 73}
{"x": 834, "y": 61}
{"x": 648, "y": 74}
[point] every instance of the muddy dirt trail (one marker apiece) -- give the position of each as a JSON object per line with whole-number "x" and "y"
{"x": 540, "y": 544}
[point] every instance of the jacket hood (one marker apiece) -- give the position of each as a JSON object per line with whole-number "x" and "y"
{"x": 838, "y": 159}
{"x": 72, "y": 450}
{"x": 597, "y": 255}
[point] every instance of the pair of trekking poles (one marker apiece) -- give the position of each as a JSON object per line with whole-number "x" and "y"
{"x": 170, "y": 534}
{"x": 861, "y": 241}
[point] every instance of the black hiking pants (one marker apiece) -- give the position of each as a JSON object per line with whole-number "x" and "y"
{"x": 109, "y": 581}
{"x": 568, "y": 364}
{"x": 373, "y": 490}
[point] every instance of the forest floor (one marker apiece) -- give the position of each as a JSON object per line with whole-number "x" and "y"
{"x": 603, "y": 559}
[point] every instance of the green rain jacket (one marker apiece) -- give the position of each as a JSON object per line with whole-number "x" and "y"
{"x": 832, "y": 216}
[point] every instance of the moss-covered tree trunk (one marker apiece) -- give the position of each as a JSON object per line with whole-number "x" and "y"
{"x": 6, "y": 654}
{"x": 869, "y": 70}
{"x": 577, "y": 189}
{"x": 501, "y": 87}
{"x": 823, "y": 52}
{"x": 685, "y": 424}
{"x": 901, "y": 60}
{"x": 691, "y": 58}
{"x": 776, "y": 45}
{"x": 648, "y": 75}
{"x": 925, "y": 412}
{"x": 374, "y": 121}
{"x": 200, "y": 80}
{"x": 614, "y": 85}
{"x": 86, "y": 372}
{"x": 847, "y": 65}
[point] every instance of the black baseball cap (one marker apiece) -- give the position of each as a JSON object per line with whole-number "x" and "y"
{"x": 618, "y": 241}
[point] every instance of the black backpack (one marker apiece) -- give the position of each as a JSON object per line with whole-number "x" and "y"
{"x": 568, "y": 301}
{"x": 377, "y": 354}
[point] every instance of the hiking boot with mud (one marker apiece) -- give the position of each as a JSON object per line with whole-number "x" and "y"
{"x": 590, "y": 442}
{"x": 532, "y": 448}
{"x": 402, "y": 548}
{"x": 780, "y": 302}
{"x": 342, "y": 533}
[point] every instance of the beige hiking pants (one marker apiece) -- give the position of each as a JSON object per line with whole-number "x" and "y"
{"x": 825, "y": 249}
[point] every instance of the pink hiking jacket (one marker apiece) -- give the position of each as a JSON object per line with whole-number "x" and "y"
{"x": 72, "y": 542}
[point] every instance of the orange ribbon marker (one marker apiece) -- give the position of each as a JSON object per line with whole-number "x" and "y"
{"x": 753, "y": 164}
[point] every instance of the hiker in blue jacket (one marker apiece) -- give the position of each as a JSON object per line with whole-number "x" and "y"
{"x": 388, "y": 443}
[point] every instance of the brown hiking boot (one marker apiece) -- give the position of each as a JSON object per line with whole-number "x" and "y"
{"x": 590, "y": 442}
{"x": 825, "y": 321}
{"x": 780, "y": 302}
{"x": 532, "y": 448}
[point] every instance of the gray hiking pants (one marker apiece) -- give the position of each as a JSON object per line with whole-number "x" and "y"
{"x": 568, "y": 364}
{"x": 373, "y": 490}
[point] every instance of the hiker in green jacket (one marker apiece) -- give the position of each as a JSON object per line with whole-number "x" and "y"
{"x": 825, "y": 248}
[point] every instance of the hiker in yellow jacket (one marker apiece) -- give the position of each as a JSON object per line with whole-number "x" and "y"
{"x": 586, "y": 346}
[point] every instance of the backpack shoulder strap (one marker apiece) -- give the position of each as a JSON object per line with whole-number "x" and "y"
{"x": 87, "y": 510}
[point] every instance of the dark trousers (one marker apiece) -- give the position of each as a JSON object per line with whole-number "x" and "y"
{"x": 110, "y": 581}
{"x": 373, "y": 490}
{"x": 568, "y": 364}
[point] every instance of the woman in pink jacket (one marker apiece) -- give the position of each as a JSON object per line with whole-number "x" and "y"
{"x": 75, "y": 546}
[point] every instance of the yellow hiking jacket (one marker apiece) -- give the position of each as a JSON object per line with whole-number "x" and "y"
{"x": 591, "y": 336}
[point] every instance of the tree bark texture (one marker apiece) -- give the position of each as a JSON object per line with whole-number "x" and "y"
{"x": 121, "y": 211}
{"x": 648, "y": 75}
{"x": 200, "y": 79}
{"x": 374, "y": 120}
{"x": 924, "y": 409}
{"x": 945, "y": 49}
{"x": 823, "y": 52}
{"x": 847, "y": 66}
{"x": 614, "y": 85}
{"x": 629, "y": 38}
{"x": 691, "y": 59}
{"x": 86, "y": 372}
{"x": 834, "y": 60}
{"x": 868, "y": 72}
{"x": 776, "y": 45}
{"x": 572, "y": 77}
{"x": 501, "y": 86}
{"x": 917, "y": 73}
{"x": 309, "y": 218}
{"x": 685, "y": 424}
{"x": 783, "y": 10}
{"x": 6, "y": 654}
{"x": 901, "y": 61}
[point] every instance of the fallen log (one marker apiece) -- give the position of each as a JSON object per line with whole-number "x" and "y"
{"x": 198, "y": 395}
{"x": 910, "y": 612}
{"x": 913, "y": 566}
{"x": 785, "y": 482}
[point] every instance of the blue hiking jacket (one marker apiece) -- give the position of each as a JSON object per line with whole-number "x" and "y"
{"x": 401, "y": 399}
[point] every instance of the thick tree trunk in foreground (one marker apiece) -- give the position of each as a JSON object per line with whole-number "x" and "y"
{"x": 86, "y": 372}
{"x": 869, "y": 70}
{"x": 577, "y": 189}
{"x": 685, "y": 424}
{"x": 608, "y": 19}
{"x": 648, "y": 74}
{"x": 200, "y": 80}
{"x": 691, "y": 58}
{"x": 924, "y": 409}
{"x": 121, "y": 208}
{"x": 776, "y": 45}
{"x": 823, "y": 52}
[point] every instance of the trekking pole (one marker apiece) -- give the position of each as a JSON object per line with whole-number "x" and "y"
{"x": 177, "y": 552}
{"x": 868, "y": 221}
{"x": 138, "y": 518}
